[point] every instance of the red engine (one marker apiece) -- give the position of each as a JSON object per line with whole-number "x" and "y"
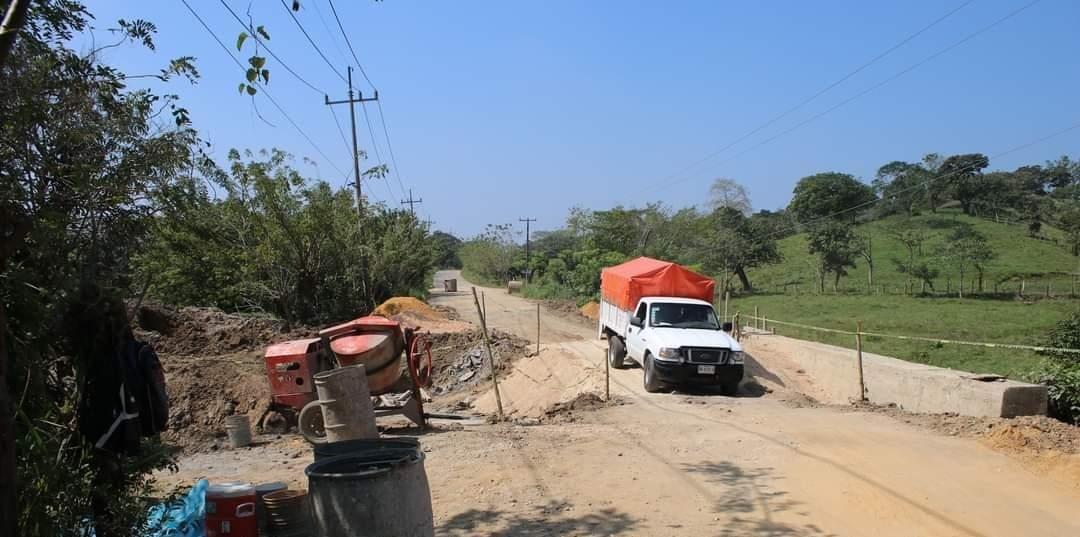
{"x": 290, "y": 366}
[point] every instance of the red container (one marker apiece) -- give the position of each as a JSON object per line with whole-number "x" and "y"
{"x": 230, "y": 510}
{"x": 290, "y": 366}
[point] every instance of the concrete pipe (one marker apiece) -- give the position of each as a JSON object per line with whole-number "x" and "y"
{"x": 346, "y": 404}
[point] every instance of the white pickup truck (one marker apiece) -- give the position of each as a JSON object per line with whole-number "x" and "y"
{"x": 676, "y": 340}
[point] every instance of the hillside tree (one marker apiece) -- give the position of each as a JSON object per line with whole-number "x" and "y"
{"x": 726, "y": 193}
{"x": 829, "y": 195}
{"x": 966, "y": 247}
{"x": 836, "y": 247}
{"x": 964, "y": 174}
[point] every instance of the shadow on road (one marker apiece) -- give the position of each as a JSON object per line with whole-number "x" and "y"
{"x": 751, "y": 503}
{"x": 547, "y": 520}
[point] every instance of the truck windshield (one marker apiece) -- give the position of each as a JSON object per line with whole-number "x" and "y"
{"x": 683, "y": 316}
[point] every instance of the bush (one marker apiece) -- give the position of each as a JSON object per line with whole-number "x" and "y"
{"x": 1061, "y": 373}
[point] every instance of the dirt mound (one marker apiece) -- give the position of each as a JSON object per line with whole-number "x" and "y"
{"x": 591, "y": 310}
{"x": 204, "y": 391}
{"x": 564, "y": 412}
{"x": 407, "y": 304}
{"x": 194, "y": 331}
{"x": 460, "y": 359}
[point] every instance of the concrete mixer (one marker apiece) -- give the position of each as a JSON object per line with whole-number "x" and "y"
{"x": 383, "y": 346}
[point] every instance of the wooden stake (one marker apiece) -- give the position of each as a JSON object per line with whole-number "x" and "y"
{"x": 491, "y": 356}
{"x": 858, "y": 354}
{"x": 607, "y": 373}
{"x": 727, "y": 296}
{"x": 538, "y": 329}
{"x": 483, "y": 303}
{"x": 756, "y": 317}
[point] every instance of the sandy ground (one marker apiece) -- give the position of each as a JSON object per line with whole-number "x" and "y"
{"x": 688, "y": 464}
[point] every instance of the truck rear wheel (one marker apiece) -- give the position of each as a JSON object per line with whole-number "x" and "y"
{"x": 616, "y": 351}
{"x": 652, "y": 384}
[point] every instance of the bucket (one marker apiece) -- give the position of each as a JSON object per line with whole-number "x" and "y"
{"x": 346, "y": 404}
{"x": 349, "y": 447}
{"x": 262, "y": 490}
{"x": 287, "y": 514}
{"x": 376, "y": 492}
{"x": 230, "y": 510}
{"x": 239, "y": 430}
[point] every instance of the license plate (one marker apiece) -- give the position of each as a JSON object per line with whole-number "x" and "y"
{"x": 706, "y": 369}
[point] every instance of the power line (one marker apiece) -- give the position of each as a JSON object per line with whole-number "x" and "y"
{"x": 261, "y": 88}
{"x": 820, "y": 92}
{"x": 322, "y": 20}
{"x": 375, "y": 146}
{"x": 255, "y": 35}
{"x": 339, "y": 129}
{"x": 921, "y": 184}
{"x": 312, "y": 41}
{"x": 847, "y": 101}
{"x": 390, "y": 146}
{"x": 347, "y": 42}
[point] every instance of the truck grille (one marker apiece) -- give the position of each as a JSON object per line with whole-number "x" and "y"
{"x": 696, "y": 355}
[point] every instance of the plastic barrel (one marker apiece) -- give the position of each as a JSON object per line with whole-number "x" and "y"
{"x": 239, "y": 430}
{"x": 287, "y": 514}
{"x": 346, "y": 404}
{"x": 349, "y": 447}
{"x": 377, "y": 492}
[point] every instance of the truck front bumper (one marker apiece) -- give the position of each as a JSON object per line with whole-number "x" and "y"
{"x": 690, "y": 374}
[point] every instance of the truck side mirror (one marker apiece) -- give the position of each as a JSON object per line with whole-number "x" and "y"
{"x": 637, "y": 321}
{"x": 727, "y": 327}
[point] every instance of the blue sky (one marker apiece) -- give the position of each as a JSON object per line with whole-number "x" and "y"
{"x": 499, "y": 110}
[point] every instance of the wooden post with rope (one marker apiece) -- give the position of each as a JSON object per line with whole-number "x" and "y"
{"x": 858, "y": 359}
{"x": 491, "y": 356}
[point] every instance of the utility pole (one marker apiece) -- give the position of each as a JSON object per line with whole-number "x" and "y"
{"x": 355, "y": 148}
{"x": 528, "y": 270}
{"x": 411, "y": 202}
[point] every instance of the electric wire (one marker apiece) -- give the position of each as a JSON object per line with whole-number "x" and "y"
{"x": 259, "y": 40}
{"x": 349, "y": 44}
{"x": 312, "y": 41}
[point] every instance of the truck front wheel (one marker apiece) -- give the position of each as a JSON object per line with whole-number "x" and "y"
{"x": 616, "y": 351}
{"x": 652, "y": 384}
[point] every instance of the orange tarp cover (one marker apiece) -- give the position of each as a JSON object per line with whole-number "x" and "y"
{"x": 625, "y": 284}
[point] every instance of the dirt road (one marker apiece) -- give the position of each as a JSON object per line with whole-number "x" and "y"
{"x": 674, "y": 464}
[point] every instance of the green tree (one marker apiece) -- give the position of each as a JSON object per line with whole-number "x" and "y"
{"x": 829, "y": 195}
{"x": 836, "y": 247}
{"x": 1061, "y": 371}
{"x": 966, "y": 248}
{"x": 732, "y": 243}
{"x": 901, "y": 186}
{"x": 446, "y": 248}
{"x": 916, "y": 265}
{"x": 964, "y": 174}
{"x": 84, "y": 164}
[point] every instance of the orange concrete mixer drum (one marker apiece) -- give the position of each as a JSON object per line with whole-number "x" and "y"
{"x": 375, "y": 342}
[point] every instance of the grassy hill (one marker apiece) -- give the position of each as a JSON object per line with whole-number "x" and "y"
{"x": 1000, "y": 318}
{"x": 1037, "y": 260}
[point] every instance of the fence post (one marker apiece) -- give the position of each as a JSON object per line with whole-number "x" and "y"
{"x": 538, "y": 329}
{"x": 1023, "y": 284}
{"x": 727, "y": 296}
{"x": 737, "y": 328}
{"x": 858, "y": 354}
{"x": 491, "y": 356}
{"x": 756, "y": 317}
{"x": 1048, "y": 289}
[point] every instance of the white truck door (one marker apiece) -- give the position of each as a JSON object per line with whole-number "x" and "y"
{"x": 635, "y": 345}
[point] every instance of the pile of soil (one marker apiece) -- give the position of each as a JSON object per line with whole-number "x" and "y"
{"x": 566, "y": 412}
{"x": 213, "y": 365}
{"x": 195, "y": 331}
{"x": 1031, "y": 434}
{"x": 203, "y": 391}
{"x": 407, "y": 304}
{"x": 460, "y": 359}
{"x": 591, "y": 310}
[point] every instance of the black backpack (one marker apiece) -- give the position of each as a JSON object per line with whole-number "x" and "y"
{"x": 146, "y": 381}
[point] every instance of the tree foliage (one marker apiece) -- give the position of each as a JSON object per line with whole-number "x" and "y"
{"x": 725, "y": 193}
{"x": 829, "y": 195}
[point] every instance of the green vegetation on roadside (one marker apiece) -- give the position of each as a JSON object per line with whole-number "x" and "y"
{"x": 980, "y": 320}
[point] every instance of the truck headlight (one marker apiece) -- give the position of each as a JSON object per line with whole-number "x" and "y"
{"x": 736, "y": 357}
{"x": 669, "y": 353}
